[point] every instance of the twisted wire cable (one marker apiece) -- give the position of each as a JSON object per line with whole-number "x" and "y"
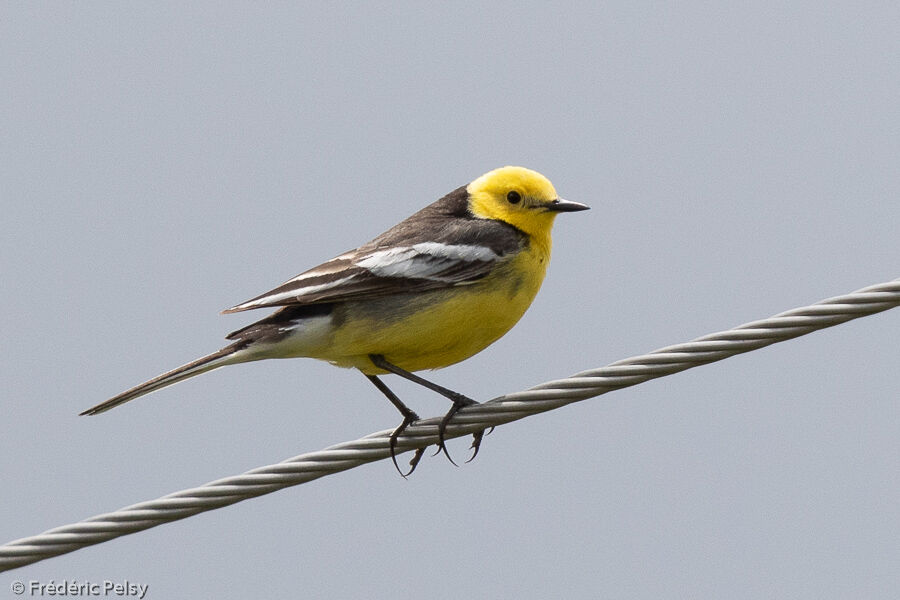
{"x": 504, "y": 409}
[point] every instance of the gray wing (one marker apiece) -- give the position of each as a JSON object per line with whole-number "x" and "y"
{"x": 381, "y": 269}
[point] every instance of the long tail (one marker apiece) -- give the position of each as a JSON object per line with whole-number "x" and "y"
{"x": 201, "y": 365}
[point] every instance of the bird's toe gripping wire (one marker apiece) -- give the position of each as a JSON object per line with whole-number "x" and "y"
{"x": 476, "y": 437}
{"x": 459, "y": 401}
{"x": 417, "y": 455}
{"x": 476, "y": 442}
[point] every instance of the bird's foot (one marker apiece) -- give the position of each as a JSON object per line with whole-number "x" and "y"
{"x": 408, "y": 419}
{"x": 459, "y": 401}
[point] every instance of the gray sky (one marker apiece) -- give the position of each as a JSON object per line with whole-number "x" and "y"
{"x": 159, "y": 163}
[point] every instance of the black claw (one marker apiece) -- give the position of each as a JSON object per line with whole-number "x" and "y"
{"x": 458, "y": 402}
{"x": 407, "y": 421}
{"x": 442, "y": 447}
{"x": 414, "y": 461}
{"x": 476, "y": 443}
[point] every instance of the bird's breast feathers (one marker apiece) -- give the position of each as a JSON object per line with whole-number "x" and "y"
{"x": 432, "y": 329}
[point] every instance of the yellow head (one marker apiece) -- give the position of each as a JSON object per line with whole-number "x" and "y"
{"x": 521, "y": 197}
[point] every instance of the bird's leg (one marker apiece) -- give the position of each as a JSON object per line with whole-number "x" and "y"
{"x": 408, "y": 417}
{"x": 458, "y": 400}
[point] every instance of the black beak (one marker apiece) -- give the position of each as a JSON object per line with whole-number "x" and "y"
{"x": 560, "y": 205}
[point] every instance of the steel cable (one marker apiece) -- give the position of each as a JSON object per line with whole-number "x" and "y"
{"x": 511, "y": 407}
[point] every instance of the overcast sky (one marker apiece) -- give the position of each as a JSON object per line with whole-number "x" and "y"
{"x": 161, "y": 162}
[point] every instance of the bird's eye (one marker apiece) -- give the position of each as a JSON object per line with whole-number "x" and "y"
{"x": 514, "y": 197}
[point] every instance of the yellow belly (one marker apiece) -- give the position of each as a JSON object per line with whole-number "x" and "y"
{"x": 434, "y": 329}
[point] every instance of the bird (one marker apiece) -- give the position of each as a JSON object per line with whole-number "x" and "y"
{"x": 431, "y": 291}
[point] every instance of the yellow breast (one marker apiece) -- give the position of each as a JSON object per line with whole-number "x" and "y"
{"x": 435, "y": 329}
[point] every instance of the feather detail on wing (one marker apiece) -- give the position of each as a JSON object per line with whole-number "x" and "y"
{"x": 420, "y": 267}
